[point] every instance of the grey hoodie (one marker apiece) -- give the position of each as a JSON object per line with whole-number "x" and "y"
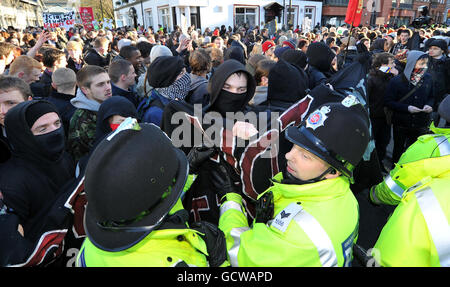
{"x": 411, "y": 60}
{"x": 82, "y": 102}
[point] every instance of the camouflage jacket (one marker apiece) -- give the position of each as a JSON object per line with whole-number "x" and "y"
{"x": 81, "y": 133}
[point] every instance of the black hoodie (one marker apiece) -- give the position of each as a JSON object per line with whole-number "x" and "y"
{"x": 287, "y": 85}
{"x": 220, "y": 76}
{"x": 320, "y": 57}
{"x": 112, "y": 106}
{"x": 30, "y": 181}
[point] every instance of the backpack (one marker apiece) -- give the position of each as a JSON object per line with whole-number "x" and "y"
{"x": 147, "y": 103}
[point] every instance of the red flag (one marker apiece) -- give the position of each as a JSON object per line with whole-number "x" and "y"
{"x": 354, "y": 12}
{"x": 87, "y": 16}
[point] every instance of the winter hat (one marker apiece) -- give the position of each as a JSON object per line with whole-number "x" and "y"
{"x": 438, "y": 43}
{"x": 267, "y": 45}
{"x": 290, "y": 44}
{"x": 158, "y": 51}
{"x": 444, "y": 109}
{"x": 37, "y": 110}
{"x": 164, "y": 70}
{"x": 280, "y": 50}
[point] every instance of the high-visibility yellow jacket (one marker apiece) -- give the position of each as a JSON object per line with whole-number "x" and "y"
{"x": 428, "y": 156}
{"x": 314, "y": 225}
{"x": 418, "y": 232}
{"x": 160, "y": 248}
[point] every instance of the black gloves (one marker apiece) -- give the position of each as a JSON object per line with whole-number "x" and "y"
{"x": 264, "y": 208}
{"x": 222, "y": 180}
{"x": 197, "y": 156}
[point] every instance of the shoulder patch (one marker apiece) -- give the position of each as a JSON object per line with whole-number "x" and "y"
{"x": 282, "y": 220}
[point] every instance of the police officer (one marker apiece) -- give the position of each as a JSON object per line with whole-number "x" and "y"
{"x": 134, "y": 215}
{"x": 418, "y": 233}
{"x": 426, "y": 157}
{"x": 309, "y": 216}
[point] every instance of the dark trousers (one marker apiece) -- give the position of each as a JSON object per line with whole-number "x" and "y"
{"x": 382, "y": 135}
{"x": 403, "y": 138}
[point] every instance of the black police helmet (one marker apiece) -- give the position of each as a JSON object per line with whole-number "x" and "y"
{"x": 337, "y": 133}
{"x": 132, "y": 182}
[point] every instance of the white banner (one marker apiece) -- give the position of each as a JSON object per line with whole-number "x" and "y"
{"x": 53, "y": 20}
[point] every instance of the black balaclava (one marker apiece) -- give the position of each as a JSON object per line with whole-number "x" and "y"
{"x": 44, "y": 149}
{"x": 223, "y": 101}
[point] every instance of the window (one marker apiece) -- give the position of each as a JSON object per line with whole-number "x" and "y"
{"x": 310, "y": 13}
{"x": 244, "y": 15}
{"x": 149, "y": 18}
{"x": 165, "y": 19}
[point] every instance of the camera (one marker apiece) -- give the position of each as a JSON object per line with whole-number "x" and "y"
{"x": 423, "y": 20}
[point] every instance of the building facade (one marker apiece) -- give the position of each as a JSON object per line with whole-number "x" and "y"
{"x": 215, "y": 13}
{"x": 21, "y": 13}
{"x": 393, "y": 12}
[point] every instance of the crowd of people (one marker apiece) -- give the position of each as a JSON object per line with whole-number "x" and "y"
{"x": 88, "y": 160}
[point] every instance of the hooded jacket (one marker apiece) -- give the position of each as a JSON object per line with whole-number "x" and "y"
{"x": 198, "y": 93}
{"x": 287, "y": 85}
{"x": 112, "y": 106}
{"x": 320, "y": 57}
{"x": 65, "y": 108}
{"x": 82, "y": 126}
{"x": 31, "y": 181}
{"x": 220, "y": 76}
{"x": 399, "y": 86}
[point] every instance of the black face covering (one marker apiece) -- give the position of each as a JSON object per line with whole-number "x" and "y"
{"x": 229, "y": 102}
{"x": 52, "y": 144}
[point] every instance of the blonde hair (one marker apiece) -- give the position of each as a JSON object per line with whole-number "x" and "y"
{"x": 24, "y": 64}
{"x": 74, "y": 45}
{"x": 257, "y": 50}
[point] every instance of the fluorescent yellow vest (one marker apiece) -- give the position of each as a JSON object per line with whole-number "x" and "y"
{"x": 428, "y": 156}
{"x": 314, "y": 225}
{"x": 418, "y": 232}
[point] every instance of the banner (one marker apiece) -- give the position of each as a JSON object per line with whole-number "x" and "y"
{"x": 108, "y": 23}
{"x": 354, "y": 12}
{"x": 63, "y": 20}
{"x": 87, "y": 16}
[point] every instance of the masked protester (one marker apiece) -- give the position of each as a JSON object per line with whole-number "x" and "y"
{"x": 111, "y": 114}
{"x": 231, "y": 88}
{"x": 410, "y": 96}
{"x": 309, "y": 216}
{"x": 35, "y": 175}
{"x": 167, "y": 75}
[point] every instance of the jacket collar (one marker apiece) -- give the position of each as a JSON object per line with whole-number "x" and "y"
{"x": 322, "y": 190}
